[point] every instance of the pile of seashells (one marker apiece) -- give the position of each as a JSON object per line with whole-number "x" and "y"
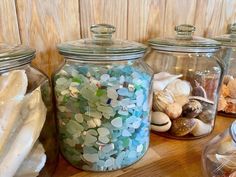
{"x": 179, "y": 108}
{"x": 22, "y": 116}
{"x": 227, "y": 100}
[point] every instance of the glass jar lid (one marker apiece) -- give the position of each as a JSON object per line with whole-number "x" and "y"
{"x": 12, "y": 56}
{"x": 228, "y": 39}
{"x": 101, "y": 46}
{"x": 184, "y": 41}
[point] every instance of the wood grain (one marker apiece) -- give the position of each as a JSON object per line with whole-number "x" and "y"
{"x": 165, "y": 158}
{"x": 104, "y": 11}
{"x": 145, "y": 19}
{"x": 43, "y": 24}
{"x": 178, "y": 12}
{"x": 9, "y": 32}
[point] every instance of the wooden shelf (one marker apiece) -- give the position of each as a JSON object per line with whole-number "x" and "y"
{"x": 165, "y": 157}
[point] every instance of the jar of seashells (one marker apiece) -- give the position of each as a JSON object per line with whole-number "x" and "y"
{"x": 28, "y": 145}
{"x": 185, "y": 86}
{"x": 219, "y": 155}
{"x": 227, "y": 100}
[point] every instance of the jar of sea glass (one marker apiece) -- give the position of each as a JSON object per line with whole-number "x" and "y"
{"x": 219, "y": 154}
{"x": 227, "y": 100}
{"x": 185, "y": 86}
{"x": 28, "y": 145}
{"x": 102, "y": 97}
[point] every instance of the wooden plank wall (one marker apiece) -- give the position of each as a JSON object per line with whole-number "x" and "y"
{"x": 43, "y": 24}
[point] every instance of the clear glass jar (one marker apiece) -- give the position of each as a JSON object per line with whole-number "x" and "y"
{"x": 185, "y": 86}
{"x": 28, "y": 145}
{"x": 227, "y": 101}
{"x": 102, "y": 96}
{"x": 219, "y": 155}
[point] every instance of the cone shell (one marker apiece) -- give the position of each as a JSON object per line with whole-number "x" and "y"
{"x": 182, "y": 126}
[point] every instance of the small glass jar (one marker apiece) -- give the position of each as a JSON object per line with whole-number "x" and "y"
{"x": 102, "y": 96}
{"x": 227, "y": 101}
{"x": 186, "y": 81}
{"x": 28, "y": 145}
{"x": 219, "y": 155}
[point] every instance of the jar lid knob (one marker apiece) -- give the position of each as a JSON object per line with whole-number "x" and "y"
{"x": 185, "y": 31}
{"x": 233, "y": 131}
{"x": 102, "y": 31}
{"x": 232, "y": 28}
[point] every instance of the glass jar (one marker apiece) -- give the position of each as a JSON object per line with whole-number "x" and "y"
{"x": 28, "y": 145}
{"x": 185, "y": 85}
{"x": 227, "y": 101}
{"x": 219, "y": 155}
{"x": 102, "y": 96}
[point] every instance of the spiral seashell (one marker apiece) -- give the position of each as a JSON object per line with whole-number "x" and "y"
{"x": 222, "y": 104}
{"x": 162, "y": 79}
{"x": 180, "y": 87}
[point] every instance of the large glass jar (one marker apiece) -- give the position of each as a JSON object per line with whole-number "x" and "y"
{"x": 102, "y": 97}
{"x": 227, "y": 101}
{"x": 185, "y": 85}
{"x": 219, "y": 155}
{"x": 28, "y": 145}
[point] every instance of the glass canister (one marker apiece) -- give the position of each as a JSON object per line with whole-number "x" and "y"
{"x": 185, "y": 86}
{"x": 102, "y": 96}
{"x": 219, "y": 155}
{"x": 227, "y": 101}
{"x": 28, "y": 145}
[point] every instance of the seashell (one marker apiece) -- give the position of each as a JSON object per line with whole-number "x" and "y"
{"x": 227, "y": 160}
{"x": 227, "y": 78}
{"x": 9, "y": 112}
{"x": 182, "y": 100}
{"x": 162, "y": 79}
{"x": 201, "y": 99}
{"x": 207, "y": 115}
{"x": 222, "y": 103}
{"x": 226, "y": 147}
{"x": 201, "y": 128}
{"x": 173, "y": 110}
{"x": 232, "y": 88}
{"x": 224, "y": 91}
{"x": 192, "y": 109}
{"x": 180, "y": 87}
{"x": 33, "y": 114}
{"x": 34, "y": 162}
{"x": 160, "y": 122}
{"x": 13, "y": 84}
{"x": 182, "y": 126}
{"x": 230, "y": 108}
{"x": 161, "y": 99}
{"x": 198, "y": 90}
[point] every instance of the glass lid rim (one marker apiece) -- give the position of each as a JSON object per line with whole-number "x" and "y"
{"x": 16, "y": 51}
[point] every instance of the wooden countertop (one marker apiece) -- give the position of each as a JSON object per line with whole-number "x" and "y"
{"x": 165, "y": 158}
